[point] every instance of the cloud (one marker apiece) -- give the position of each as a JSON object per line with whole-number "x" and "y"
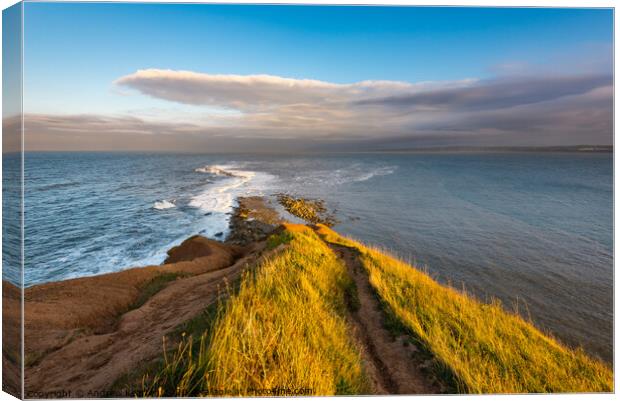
{"x": 251, "y": 92}
{"x": 497, "y": 94}
{"x": 571, "y": 120}
{"x": 112, "y": 133}
{"x": 277, "y": 113}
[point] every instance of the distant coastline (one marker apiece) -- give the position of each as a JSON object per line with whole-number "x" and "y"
{"x": 504, "y": 149}
{"x": 431, "y": 149}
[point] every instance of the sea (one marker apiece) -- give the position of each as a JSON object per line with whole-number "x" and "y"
{"x": 534, "y": 230}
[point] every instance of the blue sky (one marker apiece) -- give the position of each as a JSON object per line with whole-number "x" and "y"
{"x": 74, "y": 53}
{"x": 11, "y": 54}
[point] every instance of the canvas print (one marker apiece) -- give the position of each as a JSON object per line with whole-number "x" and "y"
{"x": 301, "y": 200}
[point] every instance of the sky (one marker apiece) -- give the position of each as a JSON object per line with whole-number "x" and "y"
{"x": 191, "y": 77}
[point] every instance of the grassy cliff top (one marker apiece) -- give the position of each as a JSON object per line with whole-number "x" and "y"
{"x": 299, "y": 322}
{"x": 484, "y": 347}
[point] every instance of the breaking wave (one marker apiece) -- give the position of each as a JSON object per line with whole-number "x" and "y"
{"x": 380, "y": 171}
{"x": 164, "y": 204}
{"x": 220, "y": 196}
{"x": 215, "y": 170}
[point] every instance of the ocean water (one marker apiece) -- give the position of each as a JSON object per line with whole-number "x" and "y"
{"x": 532, "y": 229}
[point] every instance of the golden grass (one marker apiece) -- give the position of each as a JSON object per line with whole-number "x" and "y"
{"x": 487, "y": 349}
{"x": 285, "y": 329}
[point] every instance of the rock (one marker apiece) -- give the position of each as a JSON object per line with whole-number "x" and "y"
{"x": 192, "y": 248}
{"x": 208, "y": 213}
{"x": 219, "y": 234}
{"x": 252, "y": 220}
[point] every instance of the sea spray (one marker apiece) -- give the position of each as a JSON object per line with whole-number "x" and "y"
{"x": 163, "y": 205}
{"x": 219, "y": 197}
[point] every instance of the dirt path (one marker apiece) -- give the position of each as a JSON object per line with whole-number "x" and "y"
{"x": 93, "y": 362}
{"x": 394, "y": 368}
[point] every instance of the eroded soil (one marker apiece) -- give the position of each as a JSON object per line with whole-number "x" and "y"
{"x": 394, "y": 364}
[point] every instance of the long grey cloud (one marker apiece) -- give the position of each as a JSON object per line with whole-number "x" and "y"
{"x": 255, "y": 91}
{"x": 285, "y": 113}
{"x": 498, "y": 93}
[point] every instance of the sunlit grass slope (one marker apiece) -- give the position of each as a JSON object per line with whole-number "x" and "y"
{"x": 487, "y": 349}
{"x": 285, "y": 328}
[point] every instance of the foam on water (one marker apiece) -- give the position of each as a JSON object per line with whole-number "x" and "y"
{"x": 377, "y": 172}
{"x": 345, "y": 175}
{"x": 163, "y": 205}
{"x": 219, "y": 198}
{"x": 216, "y": 170}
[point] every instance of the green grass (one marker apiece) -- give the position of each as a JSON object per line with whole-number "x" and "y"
{"x": 152, "y": 287}
{"x": 275, "y": 240}
{"x": 284, "y": 329}
{"x": 487, "y": 349}
{"x": 351, "y": 297}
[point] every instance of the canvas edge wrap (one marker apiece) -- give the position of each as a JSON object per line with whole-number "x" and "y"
{"x": 12, "y": 202}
